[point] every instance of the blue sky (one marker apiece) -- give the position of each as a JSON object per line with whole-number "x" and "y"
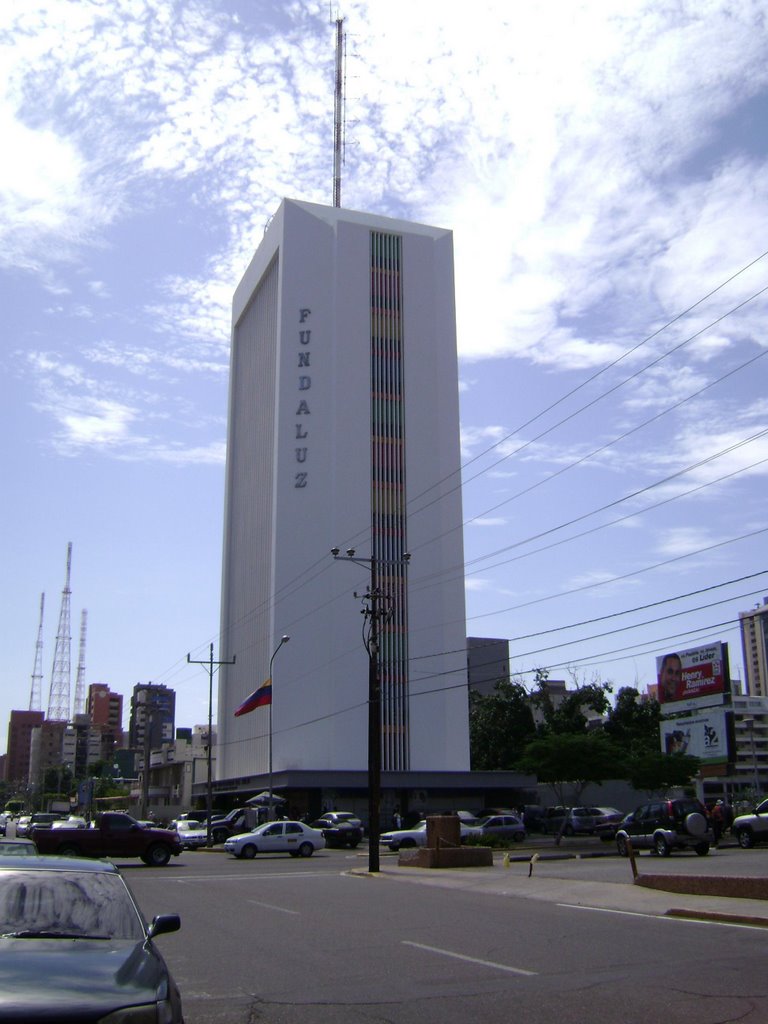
{"x": 603, "y": 170}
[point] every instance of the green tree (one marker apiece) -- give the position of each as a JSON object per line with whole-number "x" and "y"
{"x": 634, "y": 723}
{"x": 500, "y": 725}
{"x": 569, "y": 762}
{"x": 568, "y": 715}
{"x": 656, "y": 772}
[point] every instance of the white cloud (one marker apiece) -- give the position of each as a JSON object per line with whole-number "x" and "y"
{"x": 104, "y": 423}
{"x": 683, "y": 540}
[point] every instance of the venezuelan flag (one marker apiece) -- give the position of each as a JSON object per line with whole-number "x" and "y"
{"x": 258, "y": 699}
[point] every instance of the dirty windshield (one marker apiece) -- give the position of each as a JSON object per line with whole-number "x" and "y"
{"x": 51, "y": 904}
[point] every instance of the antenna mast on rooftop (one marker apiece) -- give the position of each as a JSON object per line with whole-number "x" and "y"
{"x": 36, "y": 693}
{"x": 338, "y": 112}
{"x": 79, "y": 705}
{"x": 58, "y": 698}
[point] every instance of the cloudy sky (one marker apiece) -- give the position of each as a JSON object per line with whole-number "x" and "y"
{"x": 603, "y": 168}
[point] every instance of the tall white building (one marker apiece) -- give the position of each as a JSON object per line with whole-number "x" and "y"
{"x": 754, "y": 646}
{"x": 343, "y": 431}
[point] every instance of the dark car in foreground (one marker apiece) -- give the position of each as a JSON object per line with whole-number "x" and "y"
{"x": 75, "y": 947}
{"x": 666, "y": 825}
{"x": 339, "y": 828}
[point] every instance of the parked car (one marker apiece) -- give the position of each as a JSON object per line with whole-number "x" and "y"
{"x": 77, "y": 948}
{"x": 235, "y": 822}
{"x": 22, "y": 825}
{"x": 533, "y": 816}
{"x": 608, "y": 823}
{"x": 292, "y": 837}
{"x": 467, "y": 817}
{"x": 17, "y": 848}
{"x": 571, "y": 821}
{"x": 45, "y": 819}
{"x": 486, "y": 812}
{"x": 192, "y": 835}
{"x": 509, "y": 826}
{"x": 751, "y": 828}
{"x": 339, "y": 828}
{"x": 73, "y": 821}
{"x": 404, "y": 838}
{"x": 666, "y": 825}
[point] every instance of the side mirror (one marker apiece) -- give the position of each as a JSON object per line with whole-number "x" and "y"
{"x": 162, "y": 924}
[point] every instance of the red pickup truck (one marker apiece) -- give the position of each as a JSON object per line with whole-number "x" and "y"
{"x": 113, "y": 834}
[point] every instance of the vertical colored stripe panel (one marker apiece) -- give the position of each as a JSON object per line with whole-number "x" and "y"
{"x": 388, "y": 490}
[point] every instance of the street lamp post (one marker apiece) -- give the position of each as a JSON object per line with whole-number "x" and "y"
{"x": 283, "y": 640}
{"x": 374, "y": 613}
{"x": 209, "y": 664}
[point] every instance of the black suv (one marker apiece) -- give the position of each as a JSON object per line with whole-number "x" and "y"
{"x": 666, "y": 825}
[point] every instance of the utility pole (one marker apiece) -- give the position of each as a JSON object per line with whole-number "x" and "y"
{"x": 210, "y": 668}
{"x": 377, "y": 609}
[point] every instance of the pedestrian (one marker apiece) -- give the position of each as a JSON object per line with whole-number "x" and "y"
{"x": 727, "y": 816}
{"x": 717, "y": 821}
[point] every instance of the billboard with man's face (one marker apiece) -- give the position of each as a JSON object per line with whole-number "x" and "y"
{"x": 695, "y": 678}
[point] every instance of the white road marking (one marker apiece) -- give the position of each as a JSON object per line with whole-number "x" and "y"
{"x": 249, "y": 878}
{"x": 665, "y": 917}
{"x": 470, "y": 959}
{"x": 271, "y": 906}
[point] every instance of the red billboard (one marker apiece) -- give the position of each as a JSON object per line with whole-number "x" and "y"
{"x": 693, "y": 678}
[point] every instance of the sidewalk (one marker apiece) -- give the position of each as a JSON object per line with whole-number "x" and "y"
{"x": 626, "y": 897}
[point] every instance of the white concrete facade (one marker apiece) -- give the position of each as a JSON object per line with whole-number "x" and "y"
{"x": 319, "y": 456}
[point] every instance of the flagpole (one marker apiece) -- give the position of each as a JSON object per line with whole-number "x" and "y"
{"x": 283, "y": 640}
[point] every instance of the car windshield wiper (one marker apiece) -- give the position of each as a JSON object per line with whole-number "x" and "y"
{"x": 47, "y": 933}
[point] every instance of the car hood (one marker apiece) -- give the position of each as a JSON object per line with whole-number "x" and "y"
{"x": 77, "y": 977}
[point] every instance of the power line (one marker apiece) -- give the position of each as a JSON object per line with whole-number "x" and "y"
{"x": 601, "y": 371}
{"x": 621, "y": 437}
{"x": 598, "y": 398}
{"x": 625, "y": 611}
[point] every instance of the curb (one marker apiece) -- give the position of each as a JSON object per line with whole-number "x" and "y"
{"x": 714, "y": 915}
{"x": 729, "y": 887}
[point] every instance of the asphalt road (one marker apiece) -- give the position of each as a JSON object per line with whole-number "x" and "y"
{"x": 284, "y": 941}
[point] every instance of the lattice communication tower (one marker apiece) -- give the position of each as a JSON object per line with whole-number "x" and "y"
{"x": 79, "y": 705}
{"x": 36, "y": 693}
{"x": 58, "y": 698}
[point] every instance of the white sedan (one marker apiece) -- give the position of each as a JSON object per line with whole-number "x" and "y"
{"x": 417, "y": 836}
{"x": 292, "y": 837}
{"x": 192, "y": 835}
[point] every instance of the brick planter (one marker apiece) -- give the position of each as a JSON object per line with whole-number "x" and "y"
{"x": 694, "y": 885}
{"x": 447, "y": 857}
